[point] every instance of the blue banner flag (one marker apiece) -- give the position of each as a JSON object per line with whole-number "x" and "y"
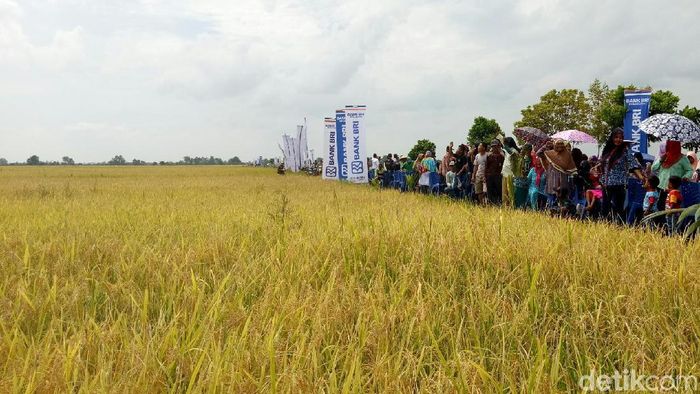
{"x": 637, "y": 109}
{"x": 355, "y": 143}
{"x": 340, "y": 144}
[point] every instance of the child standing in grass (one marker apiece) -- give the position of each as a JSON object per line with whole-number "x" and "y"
{"x": 674, "y": 199}
{"x": 651, "y": 197}
{"x": 595, "y": 192}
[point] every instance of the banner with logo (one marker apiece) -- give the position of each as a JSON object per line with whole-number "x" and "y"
{"x": 637, "y": 109}
{"x": 330, "y": 162}
{"x": 340, "y": 139}
{"x": 356, "y": 155}
{"x": 303, "y": 151}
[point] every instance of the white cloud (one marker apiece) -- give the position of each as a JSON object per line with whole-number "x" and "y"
{"x": 160, "y": 79}
{"x": 16, "y": 48}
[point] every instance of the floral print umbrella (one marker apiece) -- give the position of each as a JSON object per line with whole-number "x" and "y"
{"x": 671, "y": 127}
{"x": 533, "y": 136}
{"x": 575, "y": 136}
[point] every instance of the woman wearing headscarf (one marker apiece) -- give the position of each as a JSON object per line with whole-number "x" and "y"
{"x": 558, "y": 164}
{"x": 579, "y": 183}
{"x": 520, "y": 163}
{"x": 672, "y": 163}
{"x": 616, "y": 164}
{"x": 693, "y": 159}
{"x": 536, "y": 182}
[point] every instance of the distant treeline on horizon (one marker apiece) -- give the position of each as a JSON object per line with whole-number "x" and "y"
{"x": 34, "y": 160}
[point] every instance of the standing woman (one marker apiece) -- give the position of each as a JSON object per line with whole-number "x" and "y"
{"x": 536, "y": 183}
{"x": 446, "y": 159}
{"x": 520, "y": 163}
{"x": 559, "y": 166}
{"x": 428, "y": 165}
{"x": 671, "y": 163}
{"x": 521, "y": 169}
{"x": 494, "y": 176}
{"x": 417, "y": 171}
{"x": 616, "y": 164}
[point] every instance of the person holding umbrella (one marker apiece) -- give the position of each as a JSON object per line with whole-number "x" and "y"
{"x": 617, "y": 163}
{"x": 672, "y": 163}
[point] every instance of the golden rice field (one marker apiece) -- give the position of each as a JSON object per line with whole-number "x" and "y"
{"x": 223, "y": 279}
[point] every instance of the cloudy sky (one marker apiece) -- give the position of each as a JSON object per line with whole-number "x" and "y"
{"x": 158, "y": 80}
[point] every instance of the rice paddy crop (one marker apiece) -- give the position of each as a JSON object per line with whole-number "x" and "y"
{"x": 222, "y": 279}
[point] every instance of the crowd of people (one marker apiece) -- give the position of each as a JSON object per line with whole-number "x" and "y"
{"x": 558, "y": 178}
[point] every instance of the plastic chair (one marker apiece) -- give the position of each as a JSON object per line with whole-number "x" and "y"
{"x": 691, "y": 196}
{"x": 691, "y": 193}
{"x": 387, "y": 178}
{"x": 635, "y": 200}
{"x": 399, "y": 181}
{"x": 434, "y": 183}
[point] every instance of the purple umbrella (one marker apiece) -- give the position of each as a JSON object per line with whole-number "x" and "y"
{"x": 575, "y": 136}
{"x": 531, "y": 135}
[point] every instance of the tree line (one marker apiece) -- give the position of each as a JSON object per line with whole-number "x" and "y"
{"x": 119, "y": 160}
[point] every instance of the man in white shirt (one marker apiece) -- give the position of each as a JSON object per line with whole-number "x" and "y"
{"x": 375, "y": 166}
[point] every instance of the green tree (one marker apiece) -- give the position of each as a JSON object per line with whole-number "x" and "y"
{"x": 483, "y": 130}
{"x": 613, "y": 110}
{"x": 33, "y": 160}
{"x": 420, "y": 147}
{"x": 663, "y": 102}
{"x": 117, "y": 160}
{"x": 599, "y": 98}
{"x": 558, "y": 110}
{"x": 67, "y": 161}
{"x": 693, "y": 114}
{"x": 3, "y": 161}
{"x": 234, "y": 160}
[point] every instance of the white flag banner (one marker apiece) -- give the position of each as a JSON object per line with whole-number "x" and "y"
{"x": 285, "y": 151}
{"x": 294, "y": 144}
{"x": 330, "y": 162}
{"x": 299, "y": 147}
{"x": 355, "y": 135}
{"x": 303, "y": 146}
{"x": 290, "y": 158}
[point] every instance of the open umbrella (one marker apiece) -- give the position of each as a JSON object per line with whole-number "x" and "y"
{"x": 671, "y": 127}
{"x": 531, "y": 135}
{"x": 575, "y": 136}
